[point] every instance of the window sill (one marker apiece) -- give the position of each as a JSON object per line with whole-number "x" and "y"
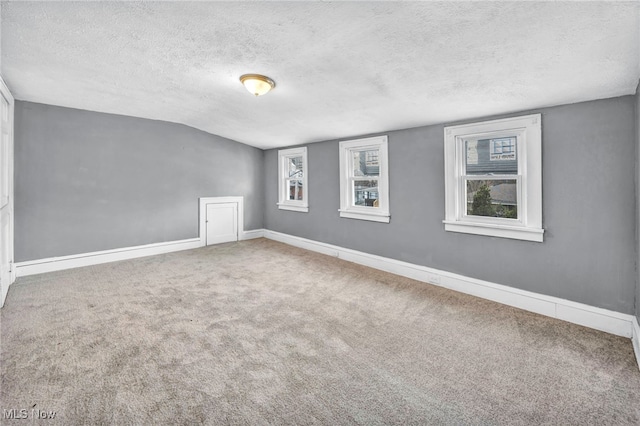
{"x": 501, "y": 231}
{"x": 374, "y": 217}
{"x": 303, "y": 209}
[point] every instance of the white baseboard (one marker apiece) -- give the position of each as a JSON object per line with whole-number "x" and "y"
{"x": 577, "y": 313}
{"x": 636, "y": 339}
{"x": 250, "y": 235}
{"x": 40, "y": 266}
{"x": 51, "y": 264}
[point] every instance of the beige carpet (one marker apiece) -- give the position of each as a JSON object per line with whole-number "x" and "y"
{"x": 258, "y": 332}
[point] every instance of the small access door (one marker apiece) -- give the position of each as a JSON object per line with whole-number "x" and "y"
{"x": 222, "y": 223}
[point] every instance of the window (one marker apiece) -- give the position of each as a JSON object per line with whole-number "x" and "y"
{"x": 503, "y": 149}
{"x": 292, "y": 180}
{"x": 493, "y": 178}
{"x": 364, "y": 179}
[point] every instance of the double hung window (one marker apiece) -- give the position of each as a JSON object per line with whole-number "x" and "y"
{"x": 493, "y": 178}
{"x": 292, "y": 180}
{"x": 364, "y": 179}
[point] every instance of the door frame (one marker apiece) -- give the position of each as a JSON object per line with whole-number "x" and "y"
{"x": 202, "y": 232}
{"x": 4, "y": 90}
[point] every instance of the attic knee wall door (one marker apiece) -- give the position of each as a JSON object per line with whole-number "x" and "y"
{"x": 221, "y": 223}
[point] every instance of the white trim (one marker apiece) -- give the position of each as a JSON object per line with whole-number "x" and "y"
{"x": 51, "y": 264}
{"x": 374, "y": 217}
{"x": 250, "y": 235}
{"x": 636, "y": 339}
{"x": 283, "y": 206}
{"x": 589, "y": 316}
{"x": 528, "y": 130}
{"x": 202, "y": 228}
{"x": 504, "y": 231}
{"x": 284, "y": 203}
{"x": 4, "y": 89}
{"x": 347, "y": 175}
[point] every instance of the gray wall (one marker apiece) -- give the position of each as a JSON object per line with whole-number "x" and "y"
{"x": 638, "y": 201}
{"x": 87, "y": 181}
{"x": 588, "y": 209}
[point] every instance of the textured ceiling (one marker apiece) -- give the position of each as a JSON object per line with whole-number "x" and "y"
{"x": 341, "y": 69}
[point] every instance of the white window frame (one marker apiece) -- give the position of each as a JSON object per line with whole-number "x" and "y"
{"x": 528, "y": 131}
{"x": 284, "y": 203}
{"x": 348, "y": 209}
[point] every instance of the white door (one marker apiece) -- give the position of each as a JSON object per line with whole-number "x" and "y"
{"x": 6, "y": 190}
{"x": 222, "y": 223}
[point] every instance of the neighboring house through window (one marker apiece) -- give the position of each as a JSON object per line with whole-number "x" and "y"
{"x": 493, "y": 178}
{"x": 364, "y": 179}
{"x": 292, "y": 180}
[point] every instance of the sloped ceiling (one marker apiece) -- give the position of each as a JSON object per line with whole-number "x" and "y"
{"x": 341, "y": 69}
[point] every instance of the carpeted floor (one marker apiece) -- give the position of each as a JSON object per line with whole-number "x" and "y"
{"x": 258, "y": 332}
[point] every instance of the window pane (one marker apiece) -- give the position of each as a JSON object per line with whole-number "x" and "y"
{"x": 295, "y": 189}
{"x": 365, "y": 193}
{"x": 493, "y": 198}
{"x": 486, "y": 156}
{"x": 295, "y": 167}
{"x": 365, "y": 163}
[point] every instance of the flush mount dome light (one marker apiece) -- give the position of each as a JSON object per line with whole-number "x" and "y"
{"x": 257, "y": 84}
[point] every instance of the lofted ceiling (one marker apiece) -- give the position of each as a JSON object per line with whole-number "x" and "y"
{"x": 342, "y": 69}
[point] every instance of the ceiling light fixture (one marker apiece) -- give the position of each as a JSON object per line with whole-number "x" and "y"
{"x": 257, "y": 84}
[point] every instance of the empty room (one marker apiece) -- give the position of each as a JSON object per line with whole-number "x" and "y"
{"x": 320, "y": 213}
